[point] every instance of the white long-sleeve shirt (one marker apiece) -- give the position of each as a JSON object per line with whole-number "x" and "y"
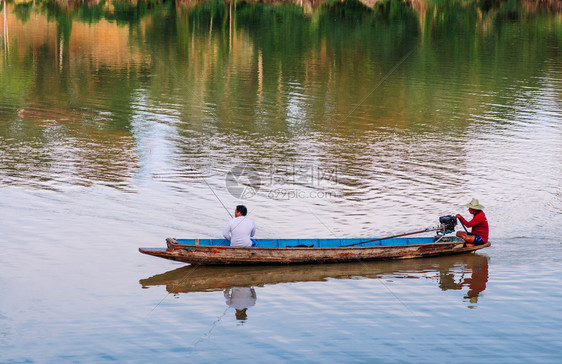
{"x": 239, "y": 230}
{"x": 240, "y": 297}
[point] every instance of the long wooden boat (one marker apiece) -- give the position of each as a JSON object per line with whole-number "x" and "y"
{"x": 294, "y": 251}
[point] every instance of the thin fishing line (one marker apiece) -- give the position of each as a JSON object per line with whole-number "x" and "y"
{"x": 395, "y": 296}
{"x": 379, "y": 83}
{"x": 208, "y": 333}
{"x": 388, "y": 289}
{"x": 326, "y": 226}
{"x": 213, "y": 191}
{"x": 197, "y": 265}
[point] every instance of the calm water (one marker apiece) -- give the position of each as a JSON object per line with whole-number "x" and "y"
{"x": 122, "y": 124}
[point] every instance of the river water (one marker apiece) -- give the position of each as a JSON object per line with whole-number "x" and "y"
{"x": 122, "y": 124}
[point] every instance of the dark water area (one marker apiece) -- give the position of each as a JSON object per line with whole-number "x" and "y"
{"x": 123, "y": 123}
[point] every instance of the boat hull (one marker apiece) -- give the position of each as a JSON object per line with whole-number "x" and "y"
{"x": 227, "y": 255}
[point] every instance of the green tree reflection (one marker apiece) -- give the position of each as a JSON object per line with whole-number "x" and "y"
{"x": 244, "y": 68}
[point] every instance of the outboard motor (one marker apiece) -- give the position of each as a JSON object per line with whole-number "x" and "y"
{"x": 448, "y": 223}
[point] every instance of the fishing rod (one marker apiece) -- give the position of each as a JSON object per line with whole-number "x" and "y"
{"x": 464, "y": 227}
{"x": 254, "y": 243}
{"x": 218, "y": 198}
{"x": 395, "y": 236}
{"x": 447, "y": 222}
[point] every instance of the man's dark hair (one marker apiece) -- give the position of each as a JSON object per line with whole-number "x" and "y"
{"x": 242, "y": 209}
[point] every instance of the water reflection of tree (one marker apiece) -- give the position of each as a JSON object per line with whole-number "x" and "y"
{"x": 23, "y": 11}
{"x": 243, "y": 68}
{"x": 51, "y": 84}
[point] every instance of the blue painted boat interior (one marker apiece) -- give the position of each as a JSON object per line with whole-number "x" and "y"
{"x": 316, "y": 243}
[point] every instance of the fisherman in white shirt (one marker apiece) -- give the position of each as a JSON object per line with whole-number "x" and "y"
{"x": 240, "y": 228}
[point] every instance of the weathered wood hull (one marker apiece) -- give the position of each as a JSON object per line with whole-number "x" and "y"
{"x": 227, "y": 255}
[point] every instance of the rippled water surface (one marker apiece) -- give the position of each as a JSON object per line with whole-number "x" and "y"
{"x": 122, "y": 124}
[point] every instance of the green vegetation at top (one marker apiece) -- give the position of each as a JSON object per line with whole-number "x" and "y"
{"x": 130, "y": 12}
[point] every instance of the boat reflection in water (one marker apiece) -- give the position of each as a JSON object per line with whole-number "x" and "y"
{"x": 477, "y": 266}
{"x": 240, "y": 298}
{"x": 455, "y": 272}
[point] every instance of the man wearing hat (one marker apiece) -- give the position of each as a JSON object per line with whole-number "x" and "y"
{"x": 479, "y": 225}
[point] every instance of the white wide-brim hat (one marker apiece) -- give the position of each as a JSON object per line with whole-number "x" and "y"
{"x": 475, "y": 205}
